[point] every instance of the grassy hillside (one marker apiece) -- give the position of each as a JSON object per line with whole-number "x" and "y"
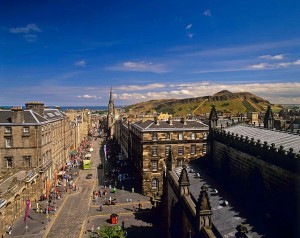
{"x": 225, "y": 101}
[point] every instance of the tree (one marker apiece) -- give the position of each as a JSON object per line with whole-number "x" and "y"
{"x": 111, "y": 232}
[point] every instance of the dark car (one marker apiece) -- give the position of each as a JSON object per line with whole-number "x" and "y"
{"x": 100, "y": 166}
{"x": 89, "y": 176}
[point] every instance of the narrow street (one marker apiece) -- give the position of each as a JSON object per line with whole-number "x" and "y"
{"x": 76, "y": 208}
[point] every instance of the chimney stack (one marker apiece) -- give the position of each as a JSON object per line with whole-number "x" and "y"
{"x": 156, "y": 120}
{"x": 37, "y": 107}
{"x": 17, "y": 115}
{"x": 170, "y": 121}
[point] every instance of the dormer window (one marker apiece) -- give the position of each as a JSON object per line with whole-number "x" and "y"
{"x": 193, "y": 136}
{"x": 168, "y": 136}
{"x": 154, "y": 136}
{"x": 25, "y": 129}
{"x": 180, "y": 136}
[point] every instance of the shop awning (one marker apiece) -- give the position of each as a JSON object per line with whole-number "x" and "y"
{"x": 87, "y": 156}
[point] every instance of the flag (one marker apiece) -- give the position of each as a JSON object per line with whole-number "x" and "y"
{"x": 27, "y": 210}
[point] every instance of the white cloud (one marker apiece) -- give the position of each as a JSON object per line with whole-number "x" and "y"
{"x": 190, "y": 35}
{"x": 275, "y": 65}
{"x": 189, "y": 26}
{"x": 207, "y": 13}
{"x": 131, "y": 96}
{"x": 86, "y": 96}
{"x": 259, "y": 66}
{"x": 141, "y": 66}
{"x": 81, "y": 63}
{"x": 140, "y": 87}
{"x": 27, "y": 29}
{"x": 272, "y": 57}
{"x": 297, "y": 62}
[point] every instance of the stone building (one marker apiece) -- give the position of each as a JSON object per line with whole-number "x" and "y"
{"x": 153, "y": 141}
{"x": 261, "y": 165}
{"x": 35, "y": 143}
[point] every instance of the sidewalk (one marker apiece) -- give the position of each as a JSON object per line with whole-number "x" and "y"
{"x": 38, "y": 223}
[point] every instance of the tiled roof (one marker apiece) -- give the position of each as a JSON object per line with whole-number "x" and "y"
{"x": 165, "y": 125}
{"x": 279, "y": 138}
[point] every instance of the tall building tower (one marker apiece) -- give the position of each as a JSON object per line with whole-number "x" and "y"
{"x": 111, "y": 116}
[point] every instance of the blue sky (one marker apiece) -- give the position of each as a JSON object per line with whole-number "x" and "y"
{"x": 65, "y": 52}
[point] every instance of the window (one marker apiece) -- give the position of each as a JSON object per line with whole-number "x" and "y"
{"x": 8, "y": 130}
{"x": 26, "y": 129}
{"x": 9, "y": 162}
{"x": 154, "y": 136}
{"x": 154, "y": 151}
{"x": 180, "y": 136}
{"x": 193, "y": 149}
{"x": 168, "y": 150}
{"x": 154, "y": 183}
{"x": 8, "y": 142}
{"x": 154, "y": 165}
{"x": 168, "y": 136}
{"x": 27, "y": 161}
{"x": 193, "y": 136}
{"x": 204, "y": 149}
{"x": 204, "y": 136}
{"x": 180, "y": 150}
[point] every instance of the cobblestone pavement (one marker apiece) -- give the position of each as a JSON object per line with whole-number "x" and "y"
{"x": 79, "y": 210}
{"x": 72, "y": 215}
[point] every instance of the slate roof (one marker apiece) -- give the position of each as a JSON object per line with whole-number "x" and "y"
{"x": 150, "y": 125}
{"x": 225, "y": 218}
{"x": 53, "y": 114}
{"x": 29, "y": 117}
{"x": 279, "y": 138}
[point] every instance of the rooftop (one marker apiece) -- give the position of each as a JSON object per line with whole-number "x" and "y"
{"x": 279, "y": 138}
{"x": 150, "y": 125}
{"x": 225, "y": 218}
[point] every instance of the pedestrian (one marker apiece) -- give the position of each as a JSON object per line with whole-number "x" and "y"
{"x": 100, "y": 207}
{"x": 109, "y": 200}
{"x": 37, "y": 207}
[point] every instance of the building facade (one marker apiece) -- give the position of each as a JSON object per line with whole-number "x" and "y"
{"x": 35, "y": 144}
{"x": 152, "y": 142}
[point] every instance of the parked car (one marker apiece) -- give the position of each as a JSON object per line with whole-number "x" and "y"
{"x": 100, "y": 166}
{"x": 89, "y": 176}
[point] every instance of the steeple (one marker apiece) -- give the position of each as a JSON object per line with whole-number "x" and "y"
{"x": 184, "y": 182}
{"x": 269, "y": 119}
{"x": 213, "y": 118}
{"x": 111, "y": 115}
{"x": 203, "y": 210}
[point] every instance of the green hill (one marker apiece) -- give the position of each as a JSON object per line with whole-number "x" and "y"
{"x": 225, "y": 102}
